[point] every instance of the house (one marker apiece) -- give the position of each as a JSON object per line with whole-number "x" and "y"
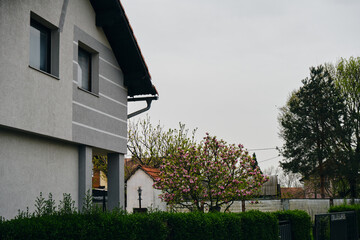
{"x": 67, "y": 72}
{"x": 143, "y": 178}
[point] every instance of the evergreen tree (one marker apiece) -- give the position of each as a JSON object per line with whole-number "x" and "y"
{"x": 255, "y": 163}
{"x": 309, "y": 122}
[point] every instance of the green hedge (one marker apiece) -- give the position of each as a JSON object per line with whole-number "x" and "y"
{"x": 86, "y": 226}
{"x": 171, "y": 226}
{"x": 244, "y": 226}
{"x": 300, "y": 223}
{"x": 259, "y": 225}
{"x": 345, "y": 207}
{"x": 203, "y": 226}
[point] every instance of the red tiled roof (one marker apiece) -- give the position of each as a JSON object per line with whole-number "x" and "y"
{"x": 152, "y": 172}
{"x": 132, "y": 166}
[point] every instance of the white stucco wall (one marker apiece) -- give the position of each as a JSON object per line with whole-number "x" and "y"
{"x": 39, "y": 104}
{"x": 150, "y": 196}
{"x": 30, "y": 165}
{"x": 31, "y": 100}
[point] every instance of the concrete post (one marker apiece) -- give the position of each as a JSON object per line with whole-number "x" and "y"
{"x": 116, "y": 184}
{"x": 85, "y": 170}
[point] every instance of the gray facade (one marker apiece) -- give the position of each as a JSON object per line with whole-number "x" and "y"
{"x": 99, "y": 119}
{"x": 49, "y": 126}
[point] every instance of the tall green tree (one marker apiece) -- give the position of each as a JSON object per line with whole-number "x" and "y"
{"x": 309, "y": 122}
{"x": 347, "y": 76}
{"x": 255, "y": 162}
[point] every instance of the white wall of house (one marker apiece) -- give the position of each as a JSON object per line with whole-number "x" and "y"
{"x": 31, "y": 100}
{"x": 30, "y": 165}
{"x": 39, "y": 139}
{"x": 150, "y": 196}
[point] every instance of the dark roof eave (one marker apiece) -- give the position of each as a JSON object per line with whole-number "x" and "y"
{"x": 110, "y": 15}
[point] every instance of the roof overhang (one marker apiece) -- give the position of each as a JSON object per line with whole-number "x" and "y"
{"x": 111, "y": 17}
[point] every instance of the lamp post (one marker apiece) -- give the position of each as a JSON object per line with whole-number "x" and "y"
{"x": 139, "y": 192}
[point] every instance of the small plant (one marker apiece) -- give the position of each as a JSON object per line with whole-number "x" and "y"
{"x": 24, "y": 214}
{"x": 88, "y": 202}
{"x": 50, "y": 207}
{"x": 40, "y": 205}
{"x": 44, "y": 207}
{"x": 67, "y": 205}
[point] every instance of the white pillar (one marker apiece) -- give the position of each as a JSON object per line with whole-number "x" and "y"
{"x": 85, "y": 173}
{"x": 116, "y": 184}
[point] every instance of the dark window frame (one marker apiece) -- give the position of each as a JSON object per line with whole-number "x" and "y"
{"x": 89, "y": 68}
{"x": 52, "y": 48}
{"x": 44, "y": 30}
{"x": 93, "y": 68}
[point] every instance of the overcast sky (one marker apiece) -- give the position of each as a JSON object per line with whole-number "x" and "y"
{"x": 226, "y": 66}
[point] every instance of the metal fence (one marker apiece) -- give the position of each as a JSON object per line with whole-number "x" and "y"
{"x": 284, "y": 230}
{"x": 336, "y": 226}
{"x": 100, "y": 198}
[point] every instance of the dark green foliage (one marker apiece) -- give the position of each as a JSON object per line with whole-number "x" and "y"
{"x": 345, "y": 207}
{"x": 43, "y": 206}
{"x": 67, "y": 205}
{"x": 159, "y": 225}
{"x": 259, "y": 225}
{"x": 309, "y": 123}
{"x": 203, "y": 226}
{"x": 86, "y": 226}
{"x": 300, "y": 223}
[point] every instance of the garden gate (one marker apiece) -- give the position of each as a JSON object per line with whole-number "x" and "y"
{"x": 284, "y": 230}
{"x": 336, "y": 226}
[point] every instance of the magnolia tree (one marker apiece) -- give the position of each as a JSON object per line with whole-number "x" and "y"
{"x": 209, "y": 175}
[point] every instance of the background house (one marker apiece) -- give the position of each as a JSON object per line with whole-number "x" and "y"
{"x": 143, "y": 177}
{"x": 67, "y": 72}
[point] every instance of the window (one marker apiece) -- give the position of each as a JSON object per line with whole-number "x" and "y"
{"x": 40, "y": 45}
{"x": 84, "y": 69}
{"x": 87, "y": 68}
{"x": 44, "y": 45}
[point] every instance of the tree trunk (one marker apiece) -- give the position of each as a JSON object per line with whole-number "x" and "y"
{"x": 322, "y": 180}
{"x": 322, "y": 186}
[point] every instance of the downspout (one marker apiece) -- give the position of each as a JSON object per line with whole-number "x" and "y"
{"x": 148, "y": 102}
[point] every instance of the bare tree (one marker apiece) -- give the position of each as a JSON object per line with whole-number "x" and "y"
{"x": 149, "y": 144}
{"x": 285, "y": 179}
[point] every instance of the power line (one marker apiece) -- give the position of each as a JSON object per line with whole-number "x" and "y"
{"x": 269, "y": 159}
{"x": 262, "y": 149}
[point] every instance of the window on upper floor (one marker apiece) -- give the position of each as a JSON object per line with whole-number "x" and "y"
{"x": 84, "y": 69}
{"x": 40, "y": 45}
{"x": 44, "y": 46}
{"x": 88, "y": 68}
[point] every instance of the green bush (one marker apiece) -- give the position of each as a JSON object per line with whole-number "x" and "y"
{"x": 259, "y": 225}
{"x": 300, "y": 223}
{"x": 159, "y": 225}
{"x": 85, "y": 226}
{"x": 203, "y": 226}
{"x": 345, "y": 207}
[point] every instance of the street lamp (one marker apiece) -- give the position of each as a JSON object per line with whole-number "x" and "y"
{"x": 139, "y": 192}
